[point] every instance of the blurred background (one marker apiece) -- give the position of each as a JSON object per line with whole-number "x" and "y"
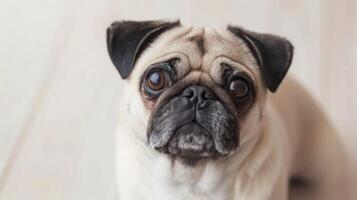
{"x": 59, "y": 90}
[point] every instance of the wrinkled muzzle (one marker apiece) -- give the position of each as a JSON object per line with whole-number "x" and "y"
{"x": 193, "y": 125}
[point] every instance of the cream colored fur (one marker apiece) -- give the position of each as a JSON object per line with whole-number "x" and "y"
{"x": 284, "y": 134}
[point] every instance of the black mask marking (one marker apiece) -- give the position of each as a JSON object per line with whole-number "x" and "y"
{"x": 193, "y": 125}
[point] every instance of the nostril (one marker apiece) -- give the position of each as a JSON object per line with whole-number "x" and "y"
{"x": 202, "y": 94}
{"x": 206, "y": 95}
{"x": 188, "y": 93}
{"x": 198, "y": 94}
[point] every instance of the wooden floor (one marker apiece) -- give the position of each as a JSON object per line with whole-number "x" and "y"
{"x": 58, "y": 88}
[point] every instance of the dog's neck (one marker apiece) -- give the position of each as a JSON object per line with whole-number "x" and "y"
{"x": 146, "y": 174}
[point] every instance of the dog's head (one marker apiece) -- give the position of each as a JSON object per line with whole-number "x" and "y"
{"x": 193, "y": 93}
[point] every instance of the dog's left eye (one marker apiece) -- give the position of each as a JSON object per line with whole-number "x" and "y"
{"x": 156, "y": 81}
{"x": 238, "y": 88}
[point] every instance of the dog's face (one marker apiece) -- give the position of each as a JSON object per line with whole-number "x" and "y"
{"x": 196, "y": 93}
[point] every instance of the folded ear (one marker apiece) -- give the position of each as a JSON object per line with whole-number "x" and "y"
{"x": 273, "y": 53}
{"x": 126, "y": 40}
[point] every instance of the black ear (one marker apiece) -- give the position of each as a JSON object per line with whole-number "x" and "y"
{"x": 274, "y": 54}
{"x": 126, "y": 40}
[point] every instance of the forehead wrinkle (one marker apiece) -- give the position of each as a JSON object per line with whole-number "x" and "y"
{"x": 199, "y": 41}
{"x": 200, "y": 77}
{"x": 194, "y": 42}
{"x": 229, "y": 40}
{"x": 205, "y": 74}
{"x": 244, "y": 66}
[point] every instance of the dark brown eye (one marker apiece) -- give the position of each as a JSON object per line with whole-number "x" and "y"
{"x": 239, "y": 88}
{"x": 156, "y": 81}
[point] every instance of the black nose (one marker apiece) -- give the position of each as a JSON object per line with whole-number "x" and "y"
{"x": 198, "y": 94}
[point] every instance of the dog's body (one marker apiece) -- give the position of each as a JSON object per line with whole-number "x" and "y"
{"x": 282, "y": 148}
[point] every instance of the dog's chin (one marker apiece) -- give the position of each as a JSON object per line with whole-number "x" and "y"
{"x": 191, "y": 141}
{"x": 190, "y": 144}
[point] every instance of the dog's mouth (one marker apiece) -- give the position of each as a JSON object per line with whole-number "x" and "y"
{"x": 190, "y": 141}
{"x": 190, "y": 131}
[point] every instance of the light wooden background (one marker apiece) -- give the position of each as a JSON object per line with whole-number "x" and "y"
{"x": 58, "y": 88}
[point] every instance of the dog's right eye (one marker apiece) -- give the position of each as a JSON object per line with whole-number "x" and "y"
{"x": 156, "y": 81}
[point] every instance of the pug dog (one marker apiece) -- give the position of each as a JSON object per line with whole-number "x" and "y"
{"x": 202, "y": 116}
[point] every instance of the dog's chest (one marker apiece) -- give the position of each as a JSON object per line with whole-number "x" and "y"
{"x": 187, "y": 191}
{"x": 162, "y": 183}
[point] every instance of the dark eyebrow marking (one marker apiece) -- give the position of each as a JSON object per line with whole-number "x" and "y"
{"x": 198, "y": 39}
